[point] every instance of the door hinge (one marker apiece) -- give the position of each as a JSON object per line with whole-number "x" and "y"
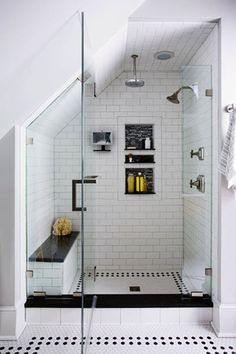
{"x": 208, "y": 272}
{"x": 29, "y": 274}
{"x": 29, "y": 140}
{"x": 94, "y": 273}
{"x": 83, "y": 78}
{"x": 196, "y": 293}
{"x": 39, "y": 293}
{"x": 94, "y": 89}
{"x": 209, "y": 92}
{"x": 76, "y": 294}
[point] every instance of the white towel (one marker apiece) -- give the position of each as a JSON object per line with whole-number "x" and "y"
{"x": 227, "y": 162}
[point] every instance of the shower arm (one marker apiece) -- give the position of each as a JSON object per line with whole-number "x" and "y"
{"x": 183, "y": 87}
{"x": 134, "y": 70}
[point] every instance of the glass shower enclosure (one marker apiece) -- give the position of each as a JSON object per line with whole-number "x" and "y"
{"x": 197, "y": 178}
{"x": 62, "y": 185}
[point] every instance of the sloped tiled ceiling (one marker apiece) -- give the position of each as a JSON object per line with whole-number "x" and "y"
{"x": 142, "y": 38}
{"x": 147, "y": 38}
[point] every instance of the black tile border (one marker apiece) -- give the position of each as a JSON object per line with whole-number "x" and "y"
{"x": 121, "y": 301}
{"x": 175, "y": 275}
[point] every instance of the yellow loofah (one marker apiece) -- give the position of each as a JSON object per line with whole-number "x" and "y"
{"x": 62, "y": 227}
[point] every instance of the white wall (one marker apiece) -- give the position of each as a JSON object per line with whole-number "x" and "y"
{"x": 7, "y": 215}
{"x": 130, "y": 232}
{"x": 40, "y": 47}
{"x": 12, "y": 264}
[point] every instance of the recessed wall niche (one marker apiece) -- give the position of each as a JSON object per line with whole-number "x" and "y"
{"x": 147, "y": 173}
{"x": 135, "y": 135}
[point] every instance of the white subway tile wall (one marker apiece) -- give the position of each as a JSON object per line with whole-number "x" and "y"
{"x": 47, "y": 276}
{"x": 40, "y": 189}
{"x": 126, "y": 231}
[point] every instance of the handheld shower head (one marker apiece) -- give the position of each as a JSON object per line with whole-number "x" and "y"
{"x": 174, "y": 97}
{"x": 134, "y": 82}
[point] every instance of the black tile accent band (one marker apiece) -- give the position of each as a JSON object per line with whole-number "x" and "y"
{"x": 119, "y": 301}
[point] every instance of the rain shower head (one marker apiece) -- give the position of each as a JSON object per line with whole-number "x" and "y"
{"x": 174, "y": 97}
{"x": 134, "y": 82}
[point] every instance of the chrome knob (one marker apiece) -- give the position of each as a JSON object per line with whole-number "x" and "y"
{"x": 199, "y": 153}
{"x": 195, "y": 183}
{"x": 199, "y": 183}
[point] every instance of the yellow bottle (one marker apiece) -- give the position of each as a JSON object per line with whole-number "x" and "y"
{"x": 130, "y": 183}
{"x": 145, "y": 183}
{"x": 139, "y": 183}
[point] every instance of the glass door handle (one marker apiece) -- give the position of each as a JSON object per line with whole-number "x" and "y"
{"x": 74, "y": 206}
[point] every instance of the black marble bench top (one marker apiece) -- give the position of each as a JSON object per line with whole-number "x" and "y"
{"x": 54, "y": 249}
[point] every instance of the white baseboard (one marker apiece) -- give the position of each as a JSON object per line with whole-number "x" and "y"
{"x": 221, "y": 334}
{"x": 224, "y": 320}
{"x": 12, "y": 321}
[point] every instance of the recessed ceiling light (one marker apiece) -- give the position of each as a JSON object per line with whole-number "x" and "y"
{"x": 164, "y": 55}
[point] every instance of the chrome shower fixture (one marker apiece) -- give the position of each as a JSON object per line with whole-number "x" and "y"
{"x": 174, "y": 97}
{"x": 134, "y": 82}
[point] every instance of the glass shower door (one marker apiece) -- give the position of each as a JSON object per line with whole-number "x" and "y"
{"x": 197, "y": 178}
{"x": 88, "y": 188}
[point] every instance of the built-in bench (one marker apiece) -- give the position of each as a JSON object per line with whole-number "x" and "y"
{"x": 54, "y": 265}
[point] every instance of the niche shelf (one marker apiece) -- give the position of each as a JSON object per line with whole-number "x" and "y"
{"x": 134, "y": 149}
{"x": 139, "y": 159}
{"x": 148, "y": 172}
{"x": 135, "y": 135}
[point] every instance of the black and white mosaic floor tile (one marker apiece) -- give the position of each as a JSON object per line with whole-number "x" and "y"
{"x": 171, "y": 339}
{"x": 120, "y": 281}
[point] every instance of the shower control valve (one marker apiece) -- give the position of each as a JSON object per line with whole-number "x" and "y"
{"x": 199, "y": 153}
{"x": 199, "y": 183}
